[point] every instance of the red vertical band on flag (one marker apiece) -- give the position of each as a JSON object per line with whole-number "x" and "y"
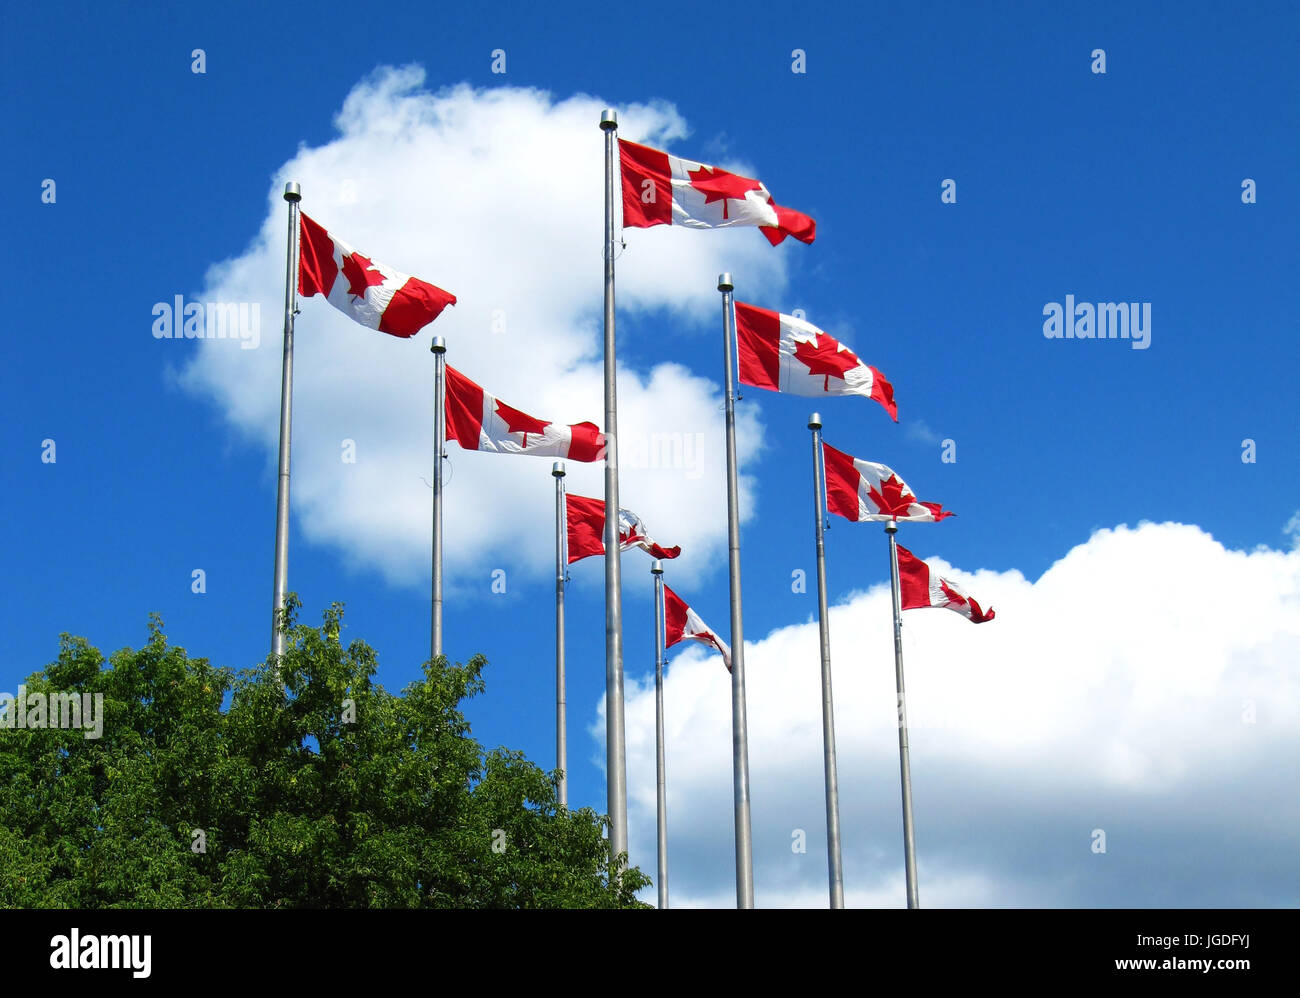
{"x": 464, "y": 410}
{"x": 936, "y": 508}
{"x": 416, "y": 304}
{"x": 316, "y": 267}
{"x": 913, "y": 579}
{"x": 883, "y": 392}
{"x": 586, "y": 519}
{"x": 842, "y": 482}
{"x": 758, "y": 346}
{"x": 790, "y": 223}
{"x": 587, "y": 442}
{"x": 645, "y": 203}
{"x": 674, "y": 618}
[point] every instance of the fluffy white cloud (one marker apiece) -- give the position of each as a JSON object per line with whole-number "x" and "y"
{"x": 1145, "y": 685}
{"x": 497, "y": 196}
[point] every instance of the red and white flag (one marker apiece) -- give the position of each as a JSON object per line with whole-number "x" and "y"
{"x": 864, "y": 490}
{"x": 922, "y": 588}
{"x": 659, "y": 189}
{"x": 681, "y": 622}
{"x": 479, "y": 421}
{"x": 586, "y": 519}
{"x": 787, "y": 354}
{"x": 372, "y": 293}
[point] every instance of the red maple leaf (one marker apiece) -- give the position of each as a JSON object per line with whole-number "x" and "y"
{"x": 894, "y": 498}
{"x": 952, "y": 594}
{"x": 520, "y": 422}
{"x": 720, "y": 185}
{"x": 361, "y": 274}
{"x": 824, "y": 356}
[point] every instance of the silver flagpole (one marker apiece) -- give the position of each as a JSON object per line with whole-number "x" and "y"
{"x": 439, "y": 349}
{"x": 904, "y": 765}
{"x": 661, "y": 795}
{"x": 828, "y": 706}
{"x": 561, "y": 565}
{"x": 739, "y": 734}
{"x": 292, "y": 194}
{"x": 615, "y": 748}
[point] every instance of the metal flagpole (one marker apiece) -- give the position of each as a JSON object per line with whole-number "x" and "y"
{"x": 739, "y": 734}
{"x": 904, "y": 765}
{"x": 615, "y": 748}
{"x": 661, "y": 797}
{"x": 828, "y": 706}
{"x": 439, "y": 349}
{"x": 292, "y": 194}
{"x": 561, "y": 564}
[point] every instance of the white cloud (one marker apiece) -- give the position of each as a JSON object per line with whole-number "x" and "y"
{"x": 497, "y": 196}
{"x": 1145, "y": 685}
{"x": 919, "y": 430}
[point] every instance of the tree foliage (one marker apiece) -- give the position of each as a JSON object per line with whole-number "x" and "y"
{"x": 298, "y": 805}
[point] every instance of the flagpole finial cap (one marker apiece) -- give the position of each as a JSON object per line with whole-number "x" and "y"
{"x": 438, "y": 345}
{"x": 815, "y": 421}
{"x": 891, "y": 526}
{"x": 608, "y": 119}
{"x": 557, "y": 469}
{"x": 292, "y": 192}
{"x": 725, "y": 283}
{"x": 656, "y": 567}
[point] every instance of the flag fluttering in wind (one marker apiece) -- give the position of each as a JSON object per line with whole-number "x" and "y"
{"x": 864, "y": 490}
{"x": 586, "y": 522}
{"x": 659, "y": 189}
{"x": 479, "y": 421}
{"x": 922, "y": 588}
{"x": 786, "y": 354}
{"x": 372, "y": 293}
{"x": 681, "y": 623}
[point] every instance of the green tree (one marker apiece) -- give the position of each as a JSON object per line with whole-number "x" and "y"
{"x": 313, "y": 788}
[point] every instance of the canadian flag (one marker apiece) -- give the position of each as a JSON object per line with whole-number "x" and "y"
{"x": 864, "y": 490}
{"x": 586, "y": 520}
{"x": 659, "y": 189}
{"x": 680, "y": 622}
{"x": 478, "y": 421}
{"x": 921, "y": 588}
{"x": 787, "y": 354}
{"x": 372, "y": 293}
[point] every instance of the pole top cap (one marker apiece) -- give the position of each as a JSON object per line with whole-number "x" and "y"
{"x": 292, "y": 192}
{"x": 557, "y": 469}
{"x": 608, "y": 119}
{"x": 725, "y": 283}
{"x": 891, "y": 526}
{"x": 656, "y": 567}
{"x": 815, "y": 421}
{"x": 438, "y": 345}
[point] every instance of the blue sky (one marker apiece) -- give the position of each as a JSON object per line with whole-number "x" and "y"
{"x": 1122, "y": 186}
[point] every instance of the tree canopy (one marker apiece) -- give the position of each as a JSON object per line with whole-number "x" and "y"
{"x": 313, "y": 788}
